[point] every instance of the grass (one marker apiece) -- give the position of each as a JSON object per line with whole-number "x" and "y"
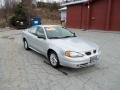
{"x": 2, "y": 23}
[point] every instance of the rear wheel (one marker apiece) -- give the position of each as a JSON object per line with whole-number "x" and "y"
{"x": 53, "y": 58}
{"x": 26, "y": 45}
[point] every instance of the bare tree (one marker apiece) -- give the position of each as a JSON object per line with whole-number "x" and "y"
{"x": 27, "y": 4}
{"x": 8, "y": 9}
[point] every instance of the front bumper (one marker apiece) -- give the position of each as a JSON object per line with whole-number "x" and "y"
{"x": 79, "y": 62}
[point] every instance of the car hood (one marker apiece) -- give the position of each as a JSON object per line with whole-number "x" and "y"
{"x": 73, "y": 44}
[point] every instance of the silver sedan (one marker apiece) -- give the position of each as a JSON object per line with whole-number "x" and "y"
{"x": 61, "y": 46}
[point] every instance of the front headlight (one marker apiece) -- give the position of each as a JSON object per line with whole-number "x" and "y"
{"x": 73, "y": 54}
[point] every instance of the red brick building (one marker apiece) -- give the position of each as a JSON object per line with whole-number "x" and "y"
{"x": 94, "y": 14}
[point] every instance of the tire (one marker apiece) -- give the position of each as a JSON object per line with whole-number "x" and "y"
{"x": 26, "y": 46}
{"x": 54, "y": 61}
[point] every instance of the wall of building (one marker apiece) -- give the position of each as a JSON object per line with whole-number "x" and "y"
{"x": 74, "y": 16}
{"x": 63, "y": 15}
{"x": 100, "y": 14}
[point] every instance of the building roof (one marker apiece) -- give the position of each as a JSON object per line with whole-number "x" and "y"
{"x": 74, "y": 2}
{"x": 63, "y": 9}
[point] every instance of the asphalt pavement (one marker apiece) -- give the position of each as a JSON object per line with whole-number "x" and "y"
{"x": 26, "y": 70}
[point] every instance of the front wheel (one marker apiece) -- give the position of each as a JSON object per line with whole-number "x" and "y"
{"x": 53, "y": 58}
{"x": 26, "y": 45}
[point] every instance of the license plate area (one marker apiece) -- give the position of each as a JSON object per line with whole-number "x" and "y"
{"x": 93, "y": 59}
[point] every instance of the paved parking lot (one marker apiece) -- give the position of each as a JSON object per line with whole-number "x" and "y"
{"x": 26, "y": 70}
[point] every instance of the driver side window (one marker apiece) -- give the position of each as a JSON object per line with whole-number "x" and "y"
{"x": 40, "y": 32}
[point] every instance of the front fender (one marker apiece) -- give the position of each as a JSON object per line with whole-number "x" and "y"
{"x": 58, "y": 50}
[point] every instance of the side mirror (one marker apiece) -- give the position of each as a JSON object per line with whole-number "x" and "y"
{"x": 74, "y": 34}
{"x": 64, "y": 27}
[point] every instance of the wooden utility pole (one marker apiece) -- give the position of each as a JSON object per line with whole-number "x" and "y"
{"x": 27, "y": 4}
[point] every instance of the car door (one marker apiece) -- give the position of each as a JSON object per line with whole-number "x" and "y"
{"x": 41, "y": 42}
{"x": 31, "y": 36}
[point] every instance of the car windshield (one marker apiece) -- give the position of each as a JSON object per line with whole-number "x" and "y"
{"x": 58, "y": 32}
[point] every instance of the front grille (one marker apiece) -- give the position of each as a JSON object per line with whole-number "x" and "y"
{"x": 88, "y": 53}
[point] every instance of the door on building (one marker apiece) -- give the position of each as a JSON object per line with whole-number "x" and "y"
{"x": 98, "y": 13}
{"x": 115, "y": 15}
{"x": 84, "y": 16}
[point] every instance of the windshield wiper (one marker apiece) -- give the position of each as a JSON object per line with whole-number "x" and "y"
{"x": 60, "y": 37}
{"x": 68, "y": 36}
{"x": 54, "y": 37}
